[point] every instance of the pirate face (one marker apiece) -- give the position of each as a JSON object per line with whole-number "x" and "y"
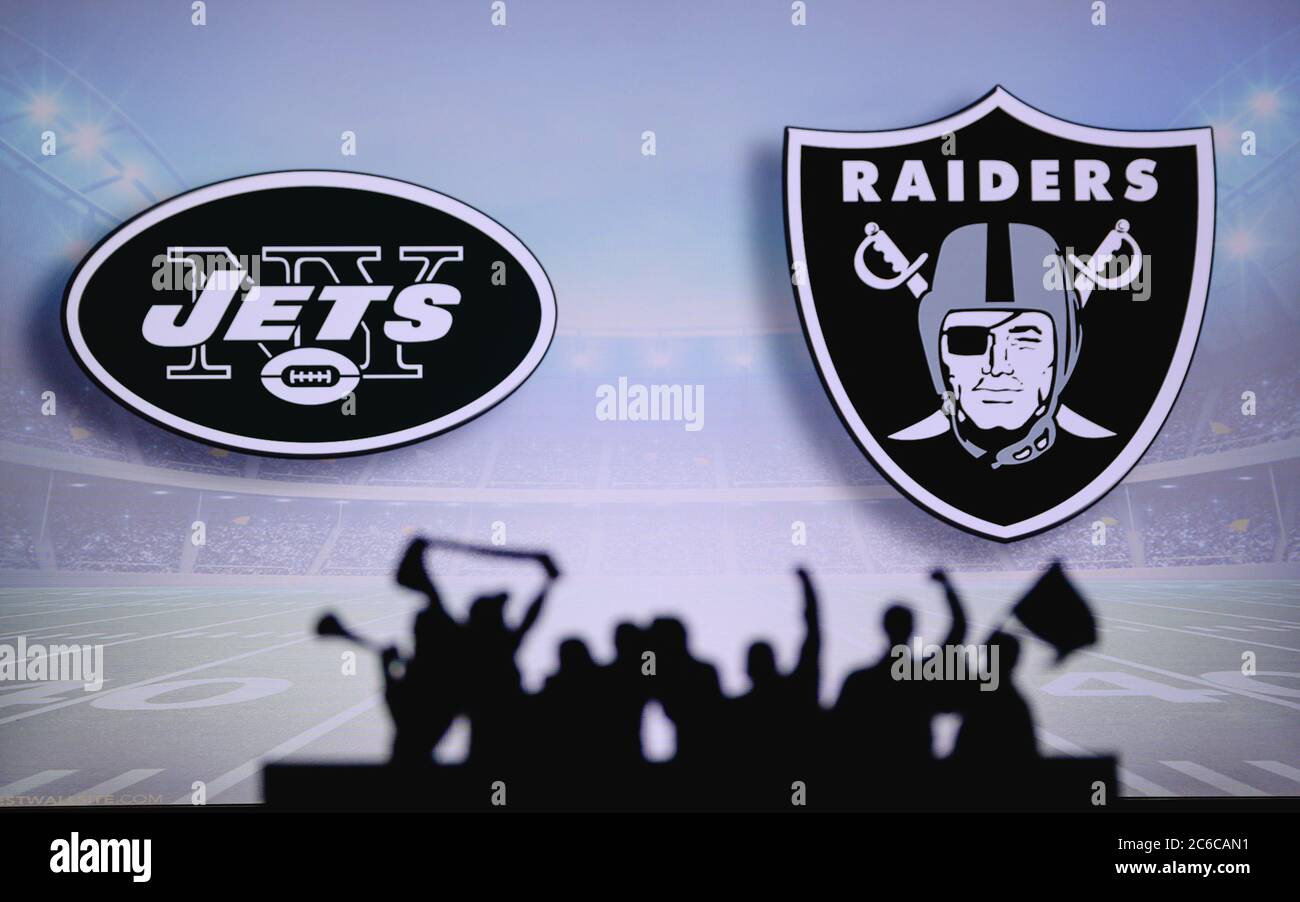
{"x": 952, "y": 293}
{"x": 1000, "y": 341}
{"x": 999, "y": 365}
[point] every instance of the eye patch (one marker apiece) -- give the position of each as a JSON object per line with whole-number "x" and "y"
{"x": 967, "y": 341}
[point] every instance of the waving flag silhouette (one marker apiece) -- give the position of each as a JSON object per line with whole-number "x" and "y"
{"x": 1054, "y": 611}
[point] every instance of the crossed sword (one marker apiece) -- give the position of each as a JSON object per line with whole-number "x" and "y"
{"x": 1088, "y": 277}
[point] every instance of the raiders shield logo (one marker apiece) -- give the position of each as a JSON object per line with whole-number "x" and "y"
{"x": 1001, "y": 304}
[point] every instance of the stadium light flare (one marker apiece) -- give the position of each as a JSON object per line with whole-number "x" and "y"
{"x": 132, "y": 173}
{"x": 42, "y": 108}
{"x": 1264, "y": 103}
{"x": 1226, "y": 134}
{"x": 87, "y": 140}
{"x": 1242, "y": 243}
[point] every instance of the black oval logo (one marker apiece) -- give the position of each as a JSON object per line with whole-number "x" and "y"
{"x": 310, "y": 313}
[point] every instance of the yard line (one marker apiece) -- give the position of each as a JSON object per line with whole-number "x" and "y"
{"x": 179, "y": 673}
{"x": 288, "y": 747}
{"x": 46, "y": 608}
{"x": 1175, "y": 629}
{"x": 41, "y": 597}
{"x": 1277, "y": 767}
{"x": 120, "y": 782}
{"x": 1127, "y": 777}
{"x": 33, "y": 782}
{"x": 45, "y": 596}
{"x": 1267, "y": 604}
{"x": 1170, "y": 607}
{"x": 1227, "y": 595}
{"x": 1214, "y": 778}
{"x": 191, "y": 629}
{"x": 1257, "y": 696}
{"x": 197, "y": 607}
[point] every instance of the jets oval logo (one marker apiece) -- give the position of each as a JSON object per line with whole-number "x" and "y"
{"x": 310, "y": 313}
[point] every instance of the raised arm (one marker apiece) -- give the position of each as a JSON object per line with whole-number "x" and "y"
{"x": 808, "y": 671}
{"x": 957, "y": 631}
{"x": 535, "y": 609}
{"x": 411, "y": 574}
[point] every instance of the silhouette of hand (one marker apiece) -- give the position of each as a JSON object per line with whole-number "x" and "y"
{"x": 548, "y": 564}
{"x": 411, "y": 573}
{"x": 329, "y": 625}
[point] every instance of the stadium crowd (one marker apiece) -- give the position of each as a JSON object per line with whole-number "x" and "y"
{"x": 127, "y": 527}
{"x": 1207, "y": 419}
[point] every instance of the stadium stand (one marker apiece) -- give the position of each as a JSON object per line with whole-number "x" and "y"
{"x": 371, "y": 536}
{"x": 125, "y": 531}
{"x": 95, "y": 524}
{"x": 248, "y": 535}
{"x": 17, "y": 535}
{"x": 81, "y": 424}
{"x": 1095, "y": 540}
{"x": 160, "y": 448}
{"x": 1208, "y": 521}
{"x": 820, "y": 534}
{"x": 664, "y": 463}
{"x": 549, "y": 462}
{"x": 1276, "y": 416}
{"x": 900, "y": 537}
{"x": 455, "y": 462}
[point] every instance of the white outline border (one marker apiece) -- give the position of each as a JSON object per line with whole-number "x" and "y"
{"x": 315, "y": 178}
{"x": 1000, "y": 98}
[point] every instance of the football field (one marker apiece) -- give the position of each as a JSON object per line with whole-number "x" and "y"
{"x": 204, "y": 685}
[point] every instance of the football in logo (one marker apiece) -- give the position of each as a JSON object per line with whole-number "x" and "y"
{"x": 1002, "y": 305}
{"x": 310, "y": 313}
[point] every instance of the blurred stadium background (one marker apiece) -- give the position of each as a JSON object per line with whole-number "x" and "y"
{"x": 98, "y": 505}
